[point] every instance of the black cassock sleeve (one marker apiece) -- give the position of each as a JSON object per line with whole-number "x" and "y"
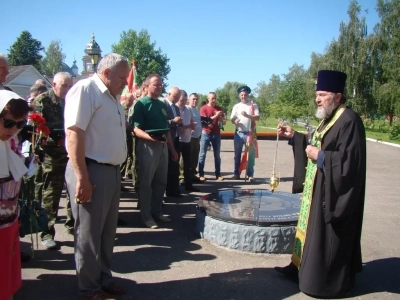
{"x": 300, "y": 162}
{"x": 344, "y": 169}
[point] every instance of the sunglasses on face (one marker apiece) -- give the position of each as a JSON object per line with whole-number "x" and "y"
{"x": 7, "y": 123}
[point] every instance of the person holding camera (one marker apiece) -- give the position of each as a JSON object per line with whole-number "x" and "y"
{"x": 211, "y": 134}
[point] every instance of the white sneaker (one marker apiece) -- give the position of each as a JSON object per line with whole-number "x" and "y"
{"x": 151, "y": 224}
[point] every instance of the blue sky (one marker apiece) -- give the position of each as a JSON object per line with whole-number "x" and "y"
{"x": 208, "y": 42}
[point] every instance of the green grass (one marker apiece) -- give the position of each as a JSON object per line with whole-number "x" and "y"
{"x": 268, "y": 125}
{"x": 384, "y": 137}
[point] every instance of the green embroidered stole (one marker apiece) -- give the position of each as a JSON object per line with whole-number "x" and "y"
{"x": 306, "y": 199}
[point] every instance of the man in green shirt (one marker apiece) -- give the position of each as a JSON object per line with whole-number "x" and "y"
{"x": 151, "y": 129}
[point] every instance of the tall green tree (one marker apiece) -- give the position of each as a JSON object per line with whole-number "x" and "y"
{"x": 227, "y": 96}
{"x": 52, "y": 62}
{"x": 349, "y": 53}
{"x": 139, "y": 47}
{"x": 387, "y": 47}
{"x": 292, "y": 100}
{"x": 25, "y": 51}
{"x": 267, "y": 93}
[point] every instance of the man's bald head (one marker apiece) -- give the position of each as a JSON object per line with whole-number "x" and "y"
{"x": 129, "y": 99}
{"x": 174, "y": 94}
{"x": 62, "y": 82}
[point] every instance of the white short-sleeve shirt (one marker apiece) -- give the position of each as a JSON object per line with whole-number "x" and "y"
{"x": 187, "y": 118}
{"x": 90, "y": 106}
{"x": 245, "y": 123}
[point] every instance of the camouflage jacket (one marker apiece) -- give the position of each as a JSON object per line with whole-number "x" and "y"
{"x": 126, "y": 110}
{"x": 52, "y": 109}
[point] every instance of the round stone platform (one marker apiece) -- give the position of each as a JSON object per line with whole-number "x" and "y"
{"x": 253, "y": 220}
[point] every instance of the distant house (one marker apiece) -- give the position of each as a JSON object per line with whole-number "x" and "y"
{"x": 21, "y": 78}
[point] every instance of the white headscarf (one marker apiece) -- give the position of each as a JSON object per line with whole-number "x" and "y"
{"x": 9, "y": 160}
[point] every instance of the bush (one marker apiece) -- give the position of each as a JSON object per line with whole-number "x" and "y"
{"x": 394, "y": 132}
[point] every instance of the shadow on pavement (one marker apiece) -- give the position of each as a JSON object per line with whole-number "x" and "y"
{"x": 381, "y": 275}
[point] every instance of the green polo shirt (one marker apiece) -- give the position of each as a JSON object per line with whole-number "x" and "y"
{"x": 150, "y": 115}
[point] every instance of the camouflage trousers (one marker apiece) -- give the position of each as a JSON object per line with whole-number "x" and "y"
{"x": 53, "y": 178}
{"x": 135, "y": 166}
{"x": 126, "y": 166}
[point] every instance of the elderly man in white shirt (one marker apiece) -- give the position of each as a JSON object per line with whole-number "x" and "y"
{"x": 196, "y": 134}
{"x": 188, "y": 125}
{"x": 96, "y": 145}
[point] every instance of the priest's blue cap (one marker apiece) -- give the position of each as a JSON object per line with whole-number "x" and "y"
{"x": 244, "y": 88}
{"x": 331, "y": 81}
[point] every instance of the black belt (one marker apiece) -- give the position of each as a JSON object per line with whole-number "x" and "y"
{"x": 159, "y": 136}
{"x": 92, "y": 161}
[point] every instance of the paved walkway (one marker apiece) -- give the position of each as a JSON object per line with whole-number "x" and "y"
{"x": 173, "y": 263}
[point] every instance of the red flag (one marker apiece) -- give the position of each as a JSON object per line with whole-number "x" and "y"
{"x": 132, "y": 78}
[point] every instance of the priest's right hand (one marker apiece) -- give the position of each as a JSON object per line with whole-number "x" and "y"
{"x": 286, "y": 131}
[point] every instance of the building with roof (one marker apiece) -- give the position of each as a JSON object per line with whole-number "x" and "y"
{"x": 21, "y": 78}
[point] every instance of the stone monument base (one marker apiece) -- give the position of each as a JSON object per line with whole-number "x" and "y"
{"x": 255, "y": 221}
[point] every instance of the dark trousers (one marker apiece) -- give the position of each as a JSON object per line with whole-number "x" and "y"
{"x": 187, "y": 162}
{"x": 195, "y": 150}
{"x": 173, "y": 171}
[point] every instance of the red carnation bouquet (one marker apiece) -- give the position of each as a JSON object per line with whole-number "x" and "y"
{"x": 39, "y": 127}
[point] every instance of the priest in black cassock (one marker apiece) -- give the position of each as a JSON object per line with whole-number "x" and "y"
{"x": 327, "y": 250}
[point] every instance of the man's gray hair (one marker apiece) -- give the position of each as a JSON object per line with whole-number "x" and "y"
{"x": 62, "y": 75}
{"x": 37, "y": 87}
{"x": 110, "y": 61}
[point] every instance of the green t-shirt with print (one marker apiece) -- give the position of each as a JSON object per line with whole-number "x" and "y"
{"x": 150, "y": 115}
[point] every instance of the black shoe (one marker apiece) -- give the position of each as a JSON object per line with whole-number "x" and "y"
{"x": 291, "y": 272}
{"x": 174, "y": 195}
{"x": 121, "y": 222}
{"x": 192, "y": 189}
{"x": 196, "y": 179}
{"x": 25, "y": 257}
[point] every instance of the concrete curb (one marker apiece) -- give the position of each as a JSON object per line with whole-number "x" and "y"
{"x": 385, "y": 143}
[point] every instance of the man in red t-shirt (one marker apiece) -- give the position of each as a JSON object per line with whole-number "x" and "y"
{"x": 211, "y": 134}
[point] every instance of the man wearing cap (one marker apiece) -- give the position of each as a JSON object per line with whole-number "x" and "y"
{"x": 244, "y": 114}
{"x": 327, "y": 250}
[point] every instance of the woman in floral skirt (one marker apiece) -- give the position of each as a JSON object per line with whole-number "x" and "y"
{"x": 13, "y": 116}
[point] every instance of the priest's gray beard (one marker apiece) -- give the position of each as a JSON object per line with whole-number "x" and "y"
{"x": 325, "y": 113}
